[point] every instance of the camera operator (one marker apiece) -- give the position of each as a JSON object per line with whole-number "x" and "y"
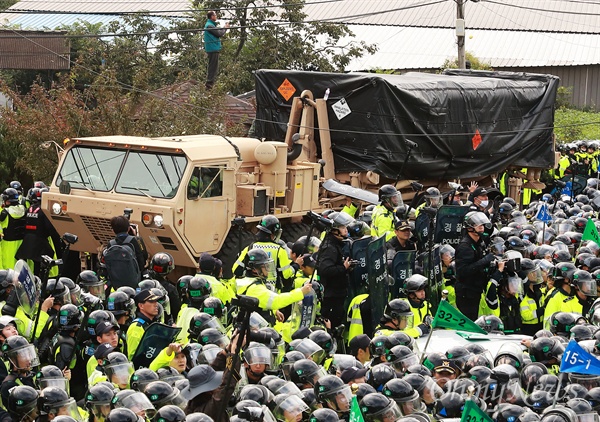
{"x": 259, "y": 269}
{"x": 472, "y": 264}
{"x": 211, "y": 387}
{"x": 333, "y": 269}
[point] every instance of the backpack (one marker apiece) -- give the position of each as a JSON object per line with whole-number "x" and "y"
{"x": 121, "y": 264}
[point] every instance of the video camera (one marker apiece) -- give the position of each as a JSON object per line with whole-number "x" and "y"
{"x": 247, "y": 305}
{"x": 320, "y": 222}
{"x": 70, "y": 238}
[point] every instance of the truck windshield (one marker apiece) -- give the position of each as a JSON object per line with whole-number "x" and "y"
{"x": 139, "y": 173}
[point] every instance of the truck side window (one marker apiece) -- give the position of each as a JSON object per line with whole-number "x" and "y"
{"x": 206, "y": 182}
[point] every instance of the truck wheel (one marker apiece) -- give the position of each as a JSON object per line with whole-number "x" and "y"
{"x": 291, "y": 232}
{"x": 231, "y": 249}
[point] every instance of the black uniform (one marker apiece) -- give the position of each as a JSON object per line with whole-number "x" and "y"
{"x": 334, "y": 278}
{"x": 472, "y": 266}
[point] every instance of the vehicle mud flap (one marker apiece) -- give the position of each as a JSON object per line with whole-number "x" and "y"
{"x": 435, "y": 277}
{"x": 355, "y": 193}
{"x": 403, "y": 266}
{"x": 448, "y": 225}
{"x": 359, "y": 277}
{"x": 422, "y": 231}
{"x": 156, "y": 337}
{"x": 378, "y": 280}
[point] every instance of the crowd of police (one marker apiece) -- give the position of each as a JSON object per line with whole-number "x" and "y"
{"x": 283, "y": 340}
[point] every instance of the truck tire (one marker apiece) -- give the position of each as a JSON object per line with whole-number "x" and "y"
{"x": 291, "y": 232}
{"x": 231, "y": 249}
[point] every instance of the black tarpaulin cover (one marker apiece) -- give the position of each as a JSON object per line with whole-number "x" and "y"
{"x": 465, "y": 123}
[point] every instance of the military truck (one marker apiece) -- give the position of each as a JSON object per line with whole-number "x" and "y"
{"x": 205, "y": 193}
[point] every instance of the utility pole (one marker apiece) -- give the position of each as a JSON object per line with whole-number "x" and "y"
{"x": 460, "y": 32}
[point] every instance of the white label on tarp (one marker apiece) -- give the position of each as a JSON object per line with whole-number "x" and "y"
{"x": 341, "y": 109}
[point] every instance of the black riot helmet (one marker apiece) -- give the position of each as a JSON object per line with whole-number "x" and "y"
{"x": 324, "y": 415}
{"x": 69, "y": 317}
{"x": 213, "y": 306}
{"x": 270, "y": 225}
{"x": 119, "y": 303}
{"x": 162, "y": 263}
{"x": 169, "y": 413}
{"x": 198, "y": 289}
{"x": 141, "y": 378}
{"x": 122, "y": 414}
{"x": 378, "y": 408}
{"x": 11, "y": 196}
{"x": 378, "y": 375}
{"x": 398, "y": 309}
{"x": 324, "y": 340}
{"x": 22, "y": 401}
{"x": 507, "y": 412}
{"x": 450, "y": 405}
{"x": 257, "y": 259}
{"x": 530, "y": 375}
{"x": 561, "y": 323}
{"x": 182, "y": 286}
{"x": 305, "y": 371}
{"x": 327, "y": 389}
{"x": 389, "y": 196}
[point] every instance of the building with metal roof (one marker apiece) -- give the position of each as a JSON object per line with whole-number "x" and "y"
{"x": 548, "y": 36}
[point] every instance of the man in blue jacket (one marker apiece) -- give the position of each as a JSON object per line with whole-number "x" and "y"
{"x": 212, "y": 45}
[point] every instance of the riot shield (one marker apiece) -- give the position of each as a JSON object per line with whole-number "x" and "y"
{"x": 434, "y": 276}
{"x": 403, "y": 267}
{"x": 27, "y": 288}
{"x": 448, "y": 225}
{"x": 422, "y": 224}
{"x": 359, "y": 277}
{"x": 378, "y": 281}
{"x": 156, "y": 337}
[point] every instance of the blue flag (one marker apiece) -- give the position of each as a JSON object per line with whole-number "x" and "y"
{"x": 543, "y": 214}
{"x": 576, "y": 359}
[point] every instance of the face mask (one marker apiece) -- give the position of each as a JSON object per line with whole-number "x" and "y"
{"x": 484, "y": 203}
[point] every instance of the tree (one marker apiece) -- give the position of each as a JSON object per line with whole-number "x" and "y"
{"x": 476, "y": 63}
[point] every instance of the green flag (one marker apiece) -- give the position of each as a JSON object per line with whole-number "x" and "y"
{"x": 448, "y": 316}
{"x": 472, "y": 413}
{"x": 591, "y": 232}
{"x": 355, "y": 413}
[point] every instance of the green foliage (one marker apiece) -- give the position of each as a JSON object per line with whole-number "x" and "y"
{"x": 564, "y": 95}
{"x": 476, "y": 63}
{"x": 572, "y": 125}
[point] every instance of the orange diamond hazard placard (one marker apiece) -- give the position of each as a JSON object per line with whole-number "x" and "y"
{"x": 286, "y": 89}
{"x": 476, "y": 139}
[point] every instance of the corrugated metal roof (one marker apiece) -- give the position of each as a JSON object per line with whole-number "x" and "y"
{"x": 518, "y": 15}
{"x": 47, "y": 51}
{"x": 429, "y": 48}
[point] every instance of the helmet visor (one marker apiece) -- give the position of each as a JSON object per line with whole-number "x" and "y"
{"x": 208, "y": 355}
{"x": 289, "y": 388}
{"x": 63, "y": 298}
{"x": 588, "y": 381}
{"x": 588, "y": 287}
{"x": 258, "y": 355}
{"x": 61, "y": 383}
{"x": 68, "y": 408}
{"x": 119, "y": 373}
{"x": 140, "y": 404}
{"x": 480, "y": 219}
{"x": 535, "y": 277}
{"x": 402, "y": 364}
{"x": 96, "y": 290}
{"x": 411, "y": 406}
{"x": 290, "y": 409}
{"x": 257, "y": 321}
{"x": 311, "y": 350}
{"x": 340, "y": 399}
{"x": 100, "y": 410}
{"x": 24, "y": 358}
{"x": 388, "y": 414}
{"x": 214, "y": 323}
{"x": 431, "y": 391}
{"x": 75, "y": 294}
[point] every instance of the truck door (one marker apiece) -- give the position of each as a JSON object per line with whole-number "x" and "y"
{"x": 208, "y": 199}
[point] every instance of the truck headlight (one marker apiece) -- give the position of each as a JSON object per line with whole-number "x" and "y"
{"x": 56, "y": 208}
{"x": 158, "y": 220}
